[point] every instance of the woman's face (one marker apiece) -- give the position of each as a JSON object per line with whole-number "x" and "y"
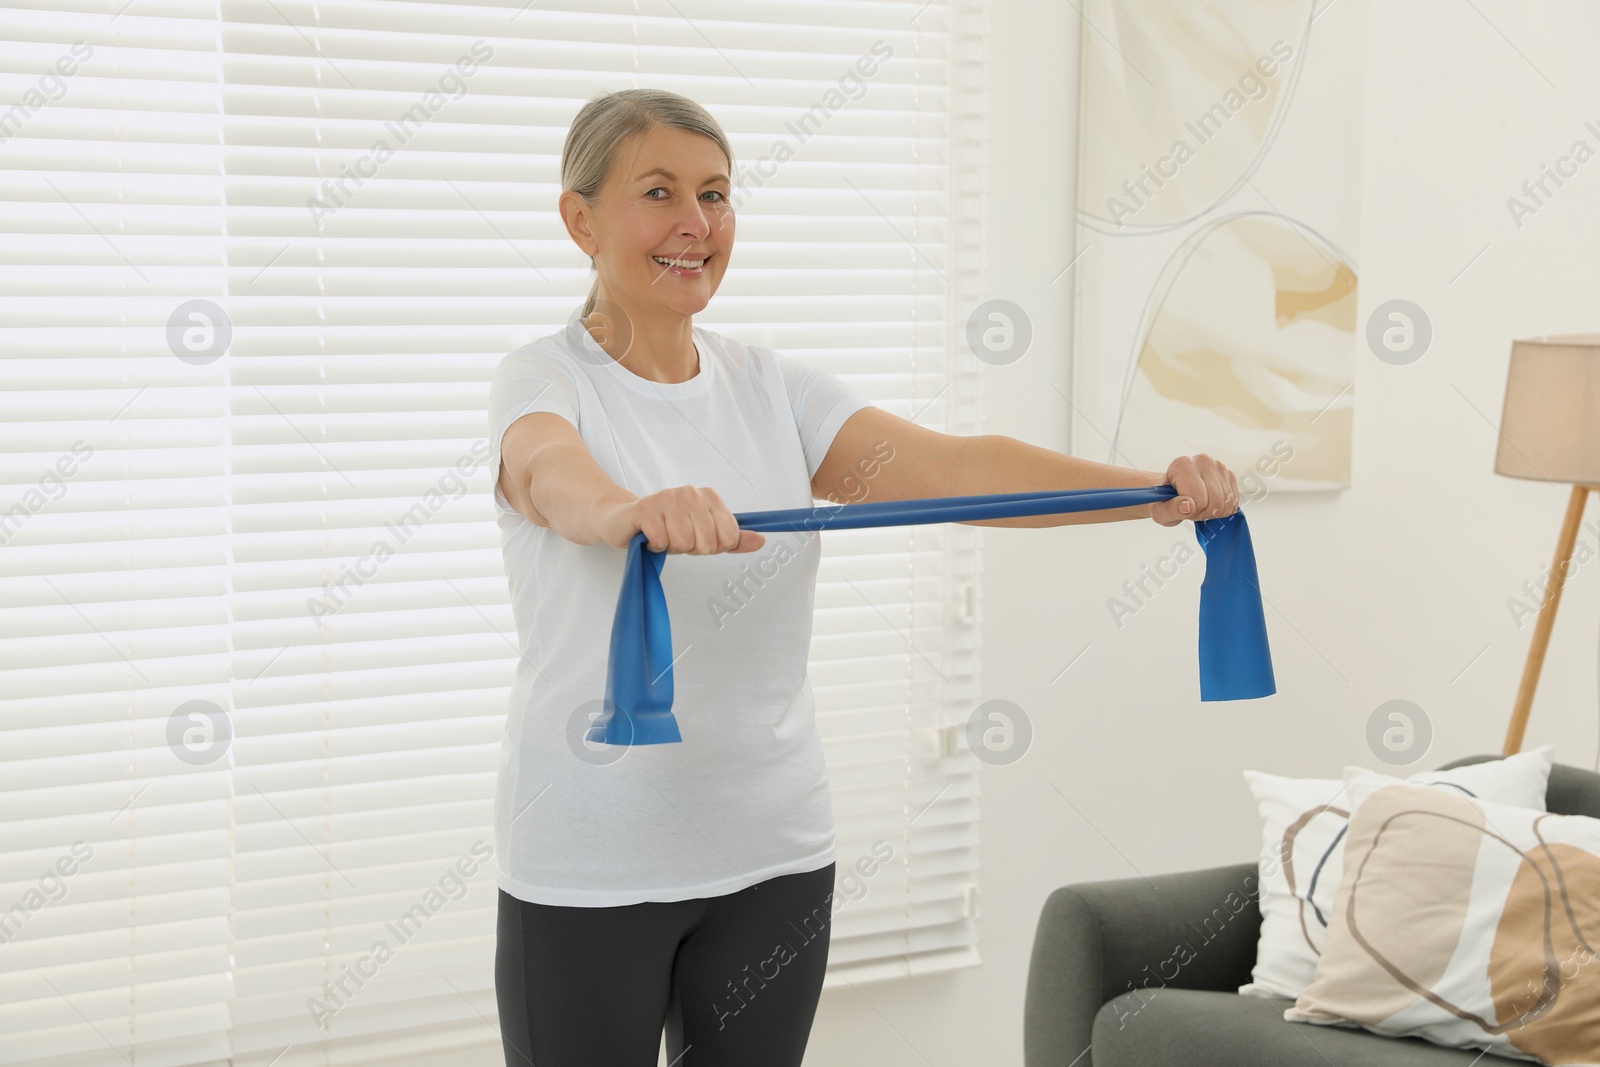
{"x": 667, "y": 197}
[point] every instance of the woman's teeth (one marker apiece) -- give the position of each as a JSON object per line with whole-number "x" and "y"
{"x": 686, "y": 264}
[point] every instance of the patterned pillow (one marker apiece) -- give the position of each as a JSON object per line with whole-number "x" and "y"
{"x": 1464, "y": 923}
{"x": 1303, "y": 830}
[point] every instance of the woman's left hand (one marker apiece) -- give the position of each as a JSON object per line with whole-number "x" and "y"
{"x": 1206, "y": 490}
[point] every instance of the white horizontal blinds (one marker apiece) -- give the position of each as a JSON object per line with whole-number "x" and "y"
{"x": 281, "y": 530}
{"x": 384, "y": 252}
{"x": 849, "y": 256}
{"x": 114, "y": 844}
{"x": 901, "y": 773}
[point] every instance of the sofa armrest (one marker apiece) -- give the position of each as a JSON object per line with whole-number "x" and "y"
{"x": 1098, "y": 940}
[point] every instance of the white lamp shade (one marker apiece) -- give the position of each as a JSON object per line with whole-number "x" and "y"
{"x": 1550, "y": 426}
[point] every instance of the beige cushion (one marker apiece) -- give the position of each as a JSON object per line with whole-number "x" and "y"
{"x": 1463, "y": 922}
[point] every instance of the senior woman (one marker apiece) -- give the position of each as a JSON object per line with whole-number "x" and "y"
{"x": 687, "y": 888}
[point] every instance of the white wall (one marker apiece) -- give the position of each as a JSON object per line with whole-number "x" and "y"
{"x": 1389, "y": 589}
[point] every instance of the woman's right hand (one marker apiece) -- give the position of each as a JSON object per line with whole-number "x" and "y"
{"x": 684, "y": 518}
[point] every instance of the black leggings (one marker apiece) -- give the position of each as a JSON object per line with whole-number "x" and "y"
{"x": 734, "y": 979}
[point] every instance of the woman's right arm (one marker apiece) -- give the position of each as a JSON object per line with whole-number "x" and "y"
{"x": 549, "y": 476}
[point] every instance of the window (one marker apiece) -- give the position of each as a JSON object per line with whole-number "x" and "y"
{"x": 255, "y": 643}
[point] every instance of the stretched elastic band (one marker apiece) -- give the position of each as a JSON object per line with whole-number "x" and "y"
{"x": 1235, "y": 662}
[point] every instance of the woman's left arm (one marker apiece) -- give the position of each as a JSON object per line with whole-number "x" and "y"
{"x": 880, "y": 456}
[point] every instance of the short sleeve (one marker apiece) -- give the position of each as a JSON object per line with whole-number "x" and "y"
{"x": 528, "y": 379}
{"x": 821, "y": 402}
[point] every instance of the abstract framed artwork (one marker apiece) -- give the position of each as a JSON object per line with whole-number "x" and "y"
{"x": 1219, "y": 184}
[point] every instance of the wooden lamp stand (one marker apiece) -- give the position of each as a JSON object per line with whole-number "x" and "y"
{"x": 1547, "y": 618}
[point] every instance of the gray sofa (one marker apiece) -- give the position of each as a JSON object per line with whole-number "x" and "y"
{"x": 1100, "y": 945}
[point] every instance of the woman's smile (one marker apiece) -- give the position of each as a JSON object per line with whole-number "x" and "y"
{"x": 683, "y": 266}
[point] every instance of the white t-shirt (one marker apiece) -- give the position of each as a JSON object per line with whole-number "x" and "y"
{"x": 744, "y": 796}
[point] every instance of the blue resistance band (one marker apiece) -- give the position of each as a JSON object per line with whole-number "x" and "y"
{"x": 1235, "y": 662}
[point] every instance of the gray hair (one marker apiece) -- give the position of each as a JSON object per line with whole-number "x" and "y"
{"x": 605, "y": 122}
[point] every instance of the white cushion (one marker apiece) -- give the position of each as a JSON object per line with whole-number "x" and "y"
{"x": 1302, "y": 839}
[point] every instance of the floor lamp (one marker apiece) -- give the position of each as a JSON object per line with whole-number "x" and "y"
{"x": 1550, "y": 432}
